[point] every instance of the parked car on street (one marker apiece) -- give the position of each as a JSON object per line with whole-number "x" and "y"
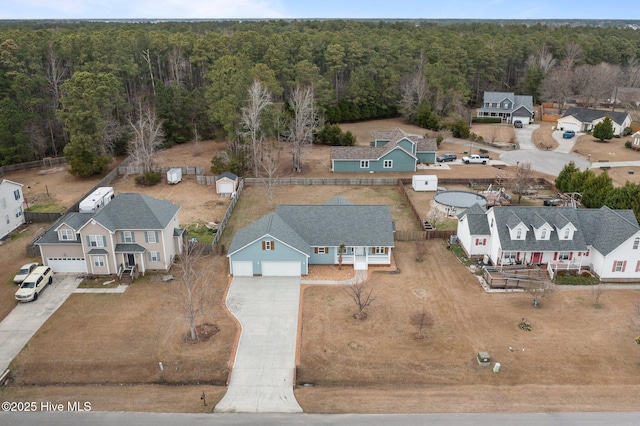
{"x": 446, "y": 157}
{"x": 24, "y": 272}
{"x": 568, "y": 134}
{"x": 33, "y": 285}
{"x": 517, "y": 124}
{"x": 553, "y": 203}
{"x": 474, "y": 159}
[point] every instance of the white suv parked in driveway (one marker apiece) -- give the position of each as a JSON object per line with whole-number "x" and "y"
{"x": 34, "y": 284}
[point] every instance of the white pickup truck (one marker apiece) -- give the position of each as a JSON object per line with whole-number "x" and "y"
{"x": 475, "y": 159}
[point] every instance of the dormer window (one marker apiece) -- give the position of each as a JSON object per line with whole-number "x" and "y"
{"x": 566, "y": 234}
{"x": 67, "y": 235}
{"x": 543, "y": 234}
{"x": 636, "y": 243}
{"x": 519, "y": 234}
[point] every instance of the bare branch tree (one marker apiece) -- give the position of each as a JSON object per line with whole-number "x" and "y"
{"x": 270, "y": 164}
{"x": 435, "y": 216}
{"x": 147, "y": 138}
{"x": 596, "y": 292}
{"x": 524, "y": 179}
{"x": 362, "y": 296}
{"x": 251, "y": 120}
{"x": 303, "y": 123}
{"x": 557, "y": 86}
{"x": 197, "y": 149}
{"x": 421, "y": 250}
{"x": 539, "y": 289}
{"x": 421, "y": 319}
{"x": 192, "y": 289}
{"x": 414, "y": 88}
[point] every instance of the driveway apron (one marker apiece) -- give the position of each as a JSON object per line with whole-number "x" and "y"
{"x": 26, "y": 318}
{"x": 263, "y": 370}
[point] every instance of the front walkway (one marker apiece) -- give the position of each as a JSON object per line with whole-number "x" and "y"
{"x": 263, "y": 370}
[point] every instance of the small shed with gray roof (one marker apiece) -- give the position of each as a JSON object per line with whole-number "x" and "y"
{"x": 226, "y": 184}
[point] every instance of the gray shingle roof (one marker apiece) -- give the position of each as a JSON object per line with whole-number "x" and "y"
{"x": 603, "y": 228}
{"x": 332, "y": 225}
{"x": 374, "y": 153}
{"x": 273, "y": 225}
{"x": 588, "y": 115}
{"x": 129, "y": 248}
{"x": 136, "y": 211}
{"x": 74, "y": 220}
{"x": 477, "y": 220}
{"x": 227, "y": 175}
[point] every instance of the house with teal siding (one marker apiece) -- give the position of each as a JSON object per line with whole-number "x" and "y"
{"x": 390, "y": 151}
{"x": 286, "y": 242}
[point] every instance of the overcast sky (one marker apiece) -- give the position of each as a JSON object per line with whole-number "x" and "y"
{"x": 230, "y": 9}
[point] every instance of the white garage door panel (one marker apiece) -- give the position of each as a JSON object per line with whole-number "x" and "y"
{"x": 67, "y": 264}
{"x": 281, "y": 269}
{"x": 242, "y": 269}
{"x": 226, "y": 188}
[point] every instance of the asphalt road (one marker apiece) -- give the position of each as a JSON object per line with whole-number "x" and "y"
{"x": 157, "y": 419}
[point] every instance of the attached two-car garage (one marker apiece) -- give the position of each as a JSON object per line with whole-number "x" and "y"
{"x": 67, "y": 264}
{"x": 269, "y": 269}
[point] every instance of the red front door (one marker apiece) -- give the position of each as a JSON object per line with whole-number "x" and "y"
{"x": 536, "y": 257}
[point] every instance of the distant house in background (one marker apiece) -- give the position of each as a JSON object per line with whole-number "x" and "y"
{"x": 635, "y": 141}
{"x": 584, "y": 119}
{"x": 11, "y": 212}
{"x": 508, "y": 106}
{"x": 390, "y": 151}
{"x": 226, "y": 184}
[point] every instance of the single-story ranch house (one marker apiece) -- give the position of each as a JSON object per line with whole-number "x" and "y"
{"x": 584, "y": 119}
{"x": 132, "y": 231}
{"x": 507, "y": 106}
{"x": 604, "y": 241}
{"x": 286, "y": 242}
{"x": 390, "y": 151}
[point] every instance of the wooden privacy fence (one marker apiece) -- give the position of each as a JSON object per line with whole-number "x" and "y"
{"x": 125, "y": 170}
{"x": 234, "y": 199}
{"x": 422, "y": 235}
{"x": 326, "y": 181}
{"x": 41, "y": 217}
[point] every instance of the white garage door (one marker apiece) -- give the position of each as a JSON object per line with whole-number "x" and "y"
{"x": 225, "y": 187}
{"x": 67, "y": 264}
{"x": 568, "y": 126}
{"x": 281, "y": 269}
{"x": 242, "y": 269}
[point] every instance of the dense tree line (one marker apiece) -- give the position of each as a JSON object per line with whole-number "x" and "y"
{"x": 598, "y": 190}
{"x": 73, "y": 87}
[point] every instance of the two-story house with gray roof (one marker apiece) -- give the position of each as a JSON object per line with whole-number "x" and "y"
{"x": 604, "y": 241}
{"x": 390, "y": 151}
{"x": 132, "y": 231}
{"x": 286, "y": 242}
{"x": 507, "y": 106}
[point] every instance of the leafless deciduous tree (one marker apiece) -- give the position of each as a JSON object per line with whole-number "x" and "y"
{"x": 302, "y": 124}
{"x": 192, "y": 289}
{"x": 539, "y": 289}
{"x": 524, "y": 179}
{"x": 421, "y": 319}
{"x": 557, "y": 86}
{"x": 362, "y": 295}
{"x": 197, "y": 149}
{"x": 435, "y": 216}
{"x": 572, "y": 55}
{"x": 414, "y": 88}
{"x": 543, "y": 59}
{"x": 270, "y": 164}
{"x": 55, "y": 74}
{"x": 596, "y": 292}
{"x": 147, "y": 138}
{"x": 421, "y": 250}
{"x": 596, "y": 82}
{"x": 251, "y": 120}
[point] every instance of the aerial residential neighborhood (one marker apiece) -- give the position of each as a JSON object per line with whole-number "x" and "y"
{"x": 319, "y": 217}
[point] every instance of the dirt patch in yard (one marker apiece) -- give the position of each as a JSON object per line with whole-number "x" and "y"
{"x": 572, "y": 345}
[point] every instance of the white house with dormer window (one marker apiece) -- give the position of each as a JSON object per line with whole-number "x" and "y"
{"x": 604, "y": 241}
{"x": 11, "y": 211}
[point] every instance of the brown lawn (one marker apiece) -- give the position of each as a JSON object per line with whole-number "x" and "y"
{"x": 122, "y": 338}
{"x": 575, "y": 358}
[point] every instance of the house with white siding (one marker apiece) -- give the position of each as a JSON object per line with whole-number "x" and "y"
{"x": 11, "y": 211}
{"x": 604, "y": 241}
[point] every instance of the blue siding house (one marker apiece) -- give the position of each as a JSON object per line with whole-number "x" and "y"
{"x": 286, "y": 242}
{"x": 390, "y": 151}
{"x": 507, "y": 106}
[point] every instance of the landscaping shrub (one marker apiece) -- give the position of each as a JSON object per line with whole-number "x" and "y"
{"x": 491, "y": 120}
{"x": 627, "y": 144}
{"x": 582, "y": 279}
{"x": 331, "y": 134}
{"x": 149, "y": 178}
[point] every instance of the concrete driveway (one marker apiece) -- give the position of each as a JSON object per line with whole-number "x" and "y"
{"x": 263, "y": 370}
{"x": 549, "y": 162}
{"x": 25, "y": 319}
